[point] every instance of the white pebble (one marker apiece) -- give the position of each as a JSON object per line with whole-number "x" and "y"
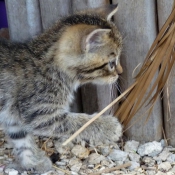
{"x": 151, "y": 149}
{"x": 13, "y": 172}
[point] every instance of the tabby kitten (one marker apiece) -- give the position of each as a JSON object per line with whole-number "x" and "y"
{"x": 38, "y": 79}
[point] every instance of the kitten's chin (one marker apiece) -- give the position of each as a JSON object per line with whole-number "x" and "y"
{"x": 104, "y": 80}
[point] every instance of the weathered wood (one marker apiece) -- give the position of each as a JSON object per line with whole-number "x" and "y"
{"x": 53, "y": 10}
{"x": 78, "y": 5}
{"x": 136, "y": 19}
{"x": 164, "y": 9}
{"x": 23, "y": 19}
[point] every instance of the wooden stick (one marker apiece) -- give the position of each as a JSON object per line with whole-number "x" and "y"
{"x": 64, "y": 171}
{"x": 98, "y": 115}
{"x": 108, "y": 170}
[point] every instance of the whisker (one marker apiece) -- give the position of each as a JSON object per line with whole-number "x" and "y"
{"x": 118, "y": 87}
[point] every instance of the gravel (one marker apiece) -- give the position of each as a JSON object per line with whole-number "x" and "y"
{"x": 151, "y": 158}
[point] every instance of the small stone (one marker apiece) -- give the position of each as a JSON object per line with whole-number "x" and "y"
{"x": 159, "y": 162}
{"x": 74, "y": 161}
{"x": 95, "y": 158}
{"x": 2, "y": 169}
{"x": 150, "y": 149}
{"x": 160, "y": 173}
{"x": 149, "y": 161}
{"x": 149, "y": 172}
{"x": 105, "y": 163}
{"x": 49, "y": 143}
{"x": 134, "y": 165}
{"x": 140, "y": 170}
{"x": 118, "y": 155}
{"x": 80, "y": 151}
{"x": 13, "y": 172}
{"x": 102, "y": 168}
{"x": 173, "y": 169}
{"x": 163, "y": 143}
{"x": 74, "y": 173}
{"x": 170, "y": 173}
{"x": 171, "y": 158}
{"x": 49, "y": 173}
{"x": 105, "y": 150}
{"x": 24, "y": 173}
{"x": 60, "y": 163}
{"x": 117, "y": 172}
{"x": 165, "y": 166}
{"x": 134, "y": 157}
{"x": 118, "y": 162}
{"x": 87, "y": 171}
{"x": 131, "y": 146}
{"x": 76, "y": 167}
{"x": 163, "y": 155}
{"x": 59, "y": 172}
{"x": 91, "y": 166}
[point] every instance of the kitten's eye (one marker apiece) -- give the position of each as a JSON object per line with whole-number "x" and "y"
{"x": 112, "y": 54}
{"x": 112, "y": 64}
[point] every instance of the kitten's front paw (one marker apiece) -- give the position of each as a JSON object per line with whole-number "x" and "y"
{"x": 111, "y": 129}
{"x": 106, "y": 130}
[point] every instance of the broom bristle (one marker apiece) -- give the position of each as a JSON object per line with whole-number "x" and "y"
{"x": 153, "y": 75}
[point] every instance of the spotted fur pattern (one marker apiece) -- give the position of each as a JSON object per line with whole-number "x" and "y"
{"x": 38, "y": 79}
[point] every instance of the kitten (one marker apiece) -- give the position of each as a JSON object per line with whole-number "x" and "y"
{"x": 38, "y": 79}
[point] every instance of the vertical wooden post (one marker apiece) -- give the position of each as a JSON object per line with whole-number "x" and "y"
{"x": 23, "y": 19}
{"x": 164, "y": 10}
{"x": 136, "y": 19}
{"x": 53, "y": 10}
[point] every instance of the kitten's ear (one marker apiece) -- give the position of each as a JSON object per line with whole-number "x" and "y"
{"x": 106, "y": 11}
{"x": 95, "y": 39}
{"x": 112, "y": 10}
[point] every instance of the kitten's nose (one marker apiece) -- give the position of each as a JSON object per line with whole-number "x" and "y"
{"x": 119, "y": 68}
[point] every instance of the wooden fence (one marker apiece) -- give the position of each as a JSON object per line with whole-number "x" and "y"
{"x": 139, "y": 22}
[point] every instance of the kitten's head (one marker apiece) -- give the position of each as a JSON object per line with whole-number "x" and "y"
{"x": 89, "y": 48}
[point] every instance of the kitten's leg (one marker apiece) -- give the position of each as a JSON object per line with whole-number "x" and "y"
{"x": 26, "y": 152}
{"x": 106, "y": 129}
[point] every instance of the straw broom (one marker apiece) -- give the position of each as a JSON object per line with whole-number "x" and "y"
{"x": 160, "y": 58}
{"x": 148, "y": 84}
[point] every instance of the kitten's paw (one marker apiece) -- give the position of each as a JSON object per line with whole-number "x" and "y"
{"x": 43, "y": 166}
{"x": 14, "y": 166}
{"x": 106, "y": 130}
{"x": 34, "y": 161}
{"x": 113, "y": 128}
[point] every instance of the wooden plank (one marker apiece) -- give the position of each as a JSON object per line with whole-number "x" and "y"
{"x": 94, "y": 97}
{"x": 164, "y": 9}
{"x": 136, "y": 21}
{"x": 53, "y": 10}
{"x": 78, "y": 5}
{"x": 23, "y": 19}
